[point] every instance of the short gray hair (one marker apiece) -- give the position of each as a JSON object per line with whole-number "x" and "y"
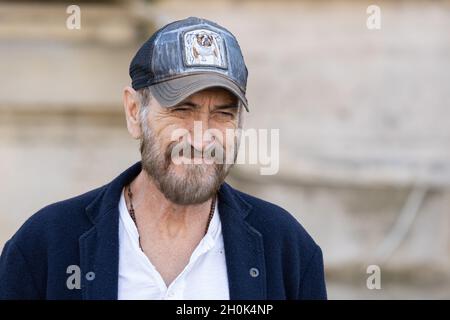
{"x": 145, "y": 97}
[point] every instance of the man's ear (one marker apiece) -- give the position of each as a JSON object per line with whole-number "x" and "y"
{"x": 131, "y": 104}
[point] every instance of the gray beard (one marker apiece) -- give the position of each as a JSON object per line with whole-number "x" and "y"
{"x": 197, "y": 184}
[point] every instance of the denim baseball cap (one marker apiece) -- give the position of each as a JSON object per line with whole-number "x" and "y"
{"x": 187, "y": 56}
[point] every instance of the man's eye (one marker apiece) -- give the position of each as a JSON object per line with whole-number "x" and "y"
{"x": 181, "y": 109}
{"x": 228, "y": 114}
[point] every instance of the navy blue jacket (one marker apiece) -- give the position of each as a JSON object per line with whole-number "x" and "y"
{"x": 268, "y": 253}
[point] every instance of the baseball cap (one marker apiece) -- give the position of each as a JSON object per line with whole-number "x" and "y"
{"x": 187, "y": 56}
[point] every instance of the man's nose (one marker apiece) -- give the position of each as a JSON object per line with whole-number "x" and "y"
{"x": 201, "y": 137}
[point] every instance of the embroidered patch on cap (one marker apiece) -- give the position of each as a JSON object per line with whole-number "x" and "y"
{"x": 204, "y": 48}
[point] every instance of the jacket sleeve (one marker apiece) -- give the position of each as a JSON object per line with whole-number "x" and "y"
{"x": 16, "y": 282}
{"x": 312, "y": 286}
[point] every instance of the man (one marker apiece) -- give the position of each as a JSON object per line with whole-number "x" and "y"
{"x": 169, "y": 227}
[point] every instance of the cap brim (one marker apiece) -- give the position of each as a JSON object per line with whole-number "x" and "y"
{"x": 171, "y": 92}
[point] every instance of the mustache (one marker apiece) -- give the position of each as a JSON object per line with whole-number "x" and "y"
{"x": 187, "y": 150}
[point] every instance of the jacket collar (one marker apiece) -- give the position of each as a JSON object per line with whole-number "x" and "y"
{"x": 99, "y": 246}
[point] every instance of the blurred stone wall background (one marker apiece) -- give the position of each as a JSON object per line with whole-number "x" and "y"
{"x": 364, "y": 119}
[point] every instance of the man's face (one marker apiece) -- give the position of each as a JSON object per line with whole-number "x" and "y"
{"x": 198, "y": 125}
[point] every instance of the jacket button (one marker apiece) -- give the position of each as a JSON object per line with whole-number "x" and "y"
{"x": 90, "y": 276}
{"x": 254, "y": 272}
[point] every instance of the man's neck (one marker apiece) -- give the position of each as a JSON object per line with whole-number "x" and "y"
{"x": 153, "y": 210}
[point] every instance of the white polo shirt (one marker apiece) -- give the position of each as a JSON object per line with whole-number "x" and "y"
{"x": 204, "y": 277}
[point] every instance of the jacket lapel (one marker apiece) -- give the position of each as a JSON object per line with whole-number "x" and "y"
{"x": 99, "y": 246}
{"x": 244, "y": 249}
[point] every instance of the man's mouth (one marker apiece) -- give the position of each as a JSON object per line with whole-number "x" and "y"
{"x": 194, "y": 153}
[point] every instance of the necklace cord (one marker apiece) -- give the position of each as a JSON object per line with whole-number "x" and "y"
{"x": 133, "y": 214}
